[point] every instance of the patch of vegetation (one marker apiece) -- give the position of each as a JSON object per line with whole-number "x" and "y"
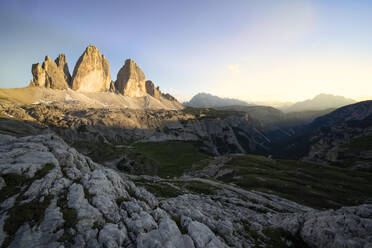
{"x": 251, "y": 233}
{"x": 172, "y": 158}
{"x": 97, "y": 225}
{"x": 314, "y": 185}
{"x": 198, "y": 187}
{"x": 31, "y": 212}
{"x": 13, "y": 186}
{"x": 162, "y": 190}
{"x": 100, "y": 152}
{"x": 211, "y": 113}
{"x": 120, "y": 200}
{"x": 272, "y": 237}
{"x": 69, "y": 217}
{"x": 279, "y": 238}
{"x": 15, "y": 183}
{"x": 88, "y": 195}
{"x": 177, "y": 219}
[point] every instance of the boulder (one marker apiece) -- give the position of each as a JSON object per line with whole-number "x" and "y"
{"x": 91, "y": 72}
{"x": 131, "y": 80}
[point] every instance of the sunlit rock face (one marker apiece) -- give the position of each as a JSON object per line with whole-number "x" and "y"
{"x": 131, "y": 80}
{"x": 50, "y": 75}
{"x": 91, "y": 72}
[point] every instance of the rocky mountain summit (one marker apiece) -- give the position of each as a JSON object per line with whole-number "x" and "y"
{"x": 91, "y": 72}
{"x": 92, "y": 75}
{"x": 131, "y": 80}
{"x": 52, "y": 196}
{"x": 52, "y": 74}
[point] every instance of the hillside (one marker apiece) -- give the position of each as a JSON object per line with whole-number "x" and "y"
{"x": 39, "y": 95}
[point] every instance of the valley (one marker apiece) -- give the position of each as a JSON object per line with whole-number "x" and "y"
{"x": 102, "y": 163}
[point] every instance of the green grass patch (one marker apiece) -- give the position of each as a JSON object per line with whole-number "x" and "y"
{"x": 69, "y": 217}
{"x": 310, "y": 184}
{"x": 172, "y": 158}
{"x": 31, "y": 212}
{"x": 120, "y": 200}
{"x": 162, "y": 190}
{"x": 197, "y": 187}
{"x": 100, "y": 152}
{"x": 15, "y": 183}
{"x": 177, "y": 219}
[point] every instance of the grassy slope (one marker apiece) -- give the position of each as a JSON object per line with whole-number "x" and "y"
{"x": 172, "y": 158}
{"x": 311, "y": 184}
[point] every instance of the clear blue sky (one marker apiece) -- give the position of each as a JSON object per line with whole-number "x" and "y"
{"x": 269, "y": 50}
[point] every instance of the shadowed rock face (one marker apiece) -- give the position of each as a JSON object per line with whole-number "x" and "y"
{"x": 131, "y": 80}
{"x": 91, "y": 72}
{"x": 62, "y": 65}
{"x": 169, "y": 97}
{"x": 50, "y": 75}
{"x": 152, "y": 90}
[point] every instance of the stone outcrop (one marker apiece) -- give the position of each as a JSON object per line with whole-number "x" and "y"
{"x": 91, "y": 72}
{"x": 131, "y": 80}
{"x": 152, "y": 90}
{"x": 51, "y": 75}
{"x": 169, "y": 97}
{"x": 62, "y": 65}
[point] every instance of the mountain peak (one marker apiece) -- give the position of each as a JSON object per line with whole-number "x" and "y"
{"x": 320, "y": 102}
{"x": 91, "y": 72}
{"x": 206, "y": 100}
{"x": 50, "y": 75}
{"x": 131, "y": 80}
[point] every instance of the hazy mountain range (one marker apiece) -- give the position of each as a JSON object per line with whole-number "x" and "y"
{"x": 319, "y": 102}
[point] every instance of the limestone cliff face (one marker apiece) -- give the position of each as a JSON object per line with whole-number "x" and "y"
{"x": 131, "y": 80}
{"x": 50, "y": 75}
{"x": 91, "y": 72}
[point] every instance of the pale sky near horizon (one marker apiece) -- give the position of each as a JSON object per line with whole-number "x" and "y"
{"x": 268, "y": 50}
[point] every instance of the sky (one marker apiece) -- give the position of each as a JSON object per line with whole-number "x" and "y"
{"x": 262, "y": 50}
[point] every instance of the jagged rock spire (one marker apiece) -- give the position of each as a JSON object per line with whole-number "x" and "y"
{"x": 50, "y": 75}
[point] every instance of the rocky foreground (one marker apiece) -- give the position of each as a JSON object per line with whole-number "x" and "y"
{"x": 52, "y": 196}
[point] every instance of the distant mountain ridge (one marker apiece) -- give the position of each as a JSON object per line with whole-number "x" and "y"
{"x": 320, "y": 102}
{"x": 206, "y": 100}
